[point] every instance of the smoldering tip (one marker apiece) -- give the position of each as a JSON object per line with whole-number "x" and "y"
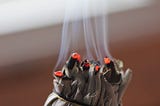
{"x": 97, "y": 68}
{"x": 109, "y": 63}
{"x": 58, "y": 74}
{"x": 76, "y": 56}
{"x": 107, "y": 60}
{"x": 85, "y": 64}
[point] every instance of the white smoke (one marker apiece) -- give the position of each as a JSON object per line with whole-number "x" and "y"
{"x": 91, "y": 31}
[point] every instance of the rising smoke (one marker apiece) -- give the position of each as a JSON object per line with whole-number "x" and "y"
{"x": 84, "y": 26}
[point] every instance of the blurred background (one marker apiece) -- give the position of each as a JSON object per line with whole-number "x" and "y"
{"x": 30, "y": 37}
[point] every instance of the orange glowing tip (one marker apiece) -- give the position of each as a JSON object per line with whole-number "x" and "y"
{"x": 97, "y": 68}
{"x": 58, "y": 74}
{"x": 86, "y": 64}
{"x": 76, "y": 56}
{"x": 107, "y": 60}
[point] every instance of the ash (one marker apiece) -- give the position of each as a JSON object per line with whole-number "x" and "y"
{"x": 88, "y": 83}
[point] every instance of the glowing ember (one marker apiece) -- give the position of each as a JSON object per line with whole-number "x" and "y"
{"x": 97, "y": 68}
{"x": 58, "y": 74}
{"x": 107, "y": 60}
{"x": 76, "y": 56}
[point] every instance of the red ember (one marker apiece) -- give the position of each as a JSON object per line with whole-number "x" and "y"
{"x": 86, "y": 64}
{"x": 107, "y": 60}
{"x": 58, "y": 73}
{"x": 76, "y": 56}
{"x": 97, "y": 68}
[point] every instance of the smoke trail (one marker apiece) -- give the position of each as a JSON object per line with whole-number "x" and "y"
{"x": 102, "y": 41}
{"x": 70, "y": 34}
{"x": 91, "y": 30}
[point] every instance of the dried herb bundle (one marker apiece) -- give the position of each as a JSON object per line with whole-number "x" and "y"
{"x": 88, "y": 83}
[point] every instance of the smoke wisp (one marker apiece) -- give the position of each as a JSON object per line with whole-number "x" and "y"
{"x": 84, "y": 28}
